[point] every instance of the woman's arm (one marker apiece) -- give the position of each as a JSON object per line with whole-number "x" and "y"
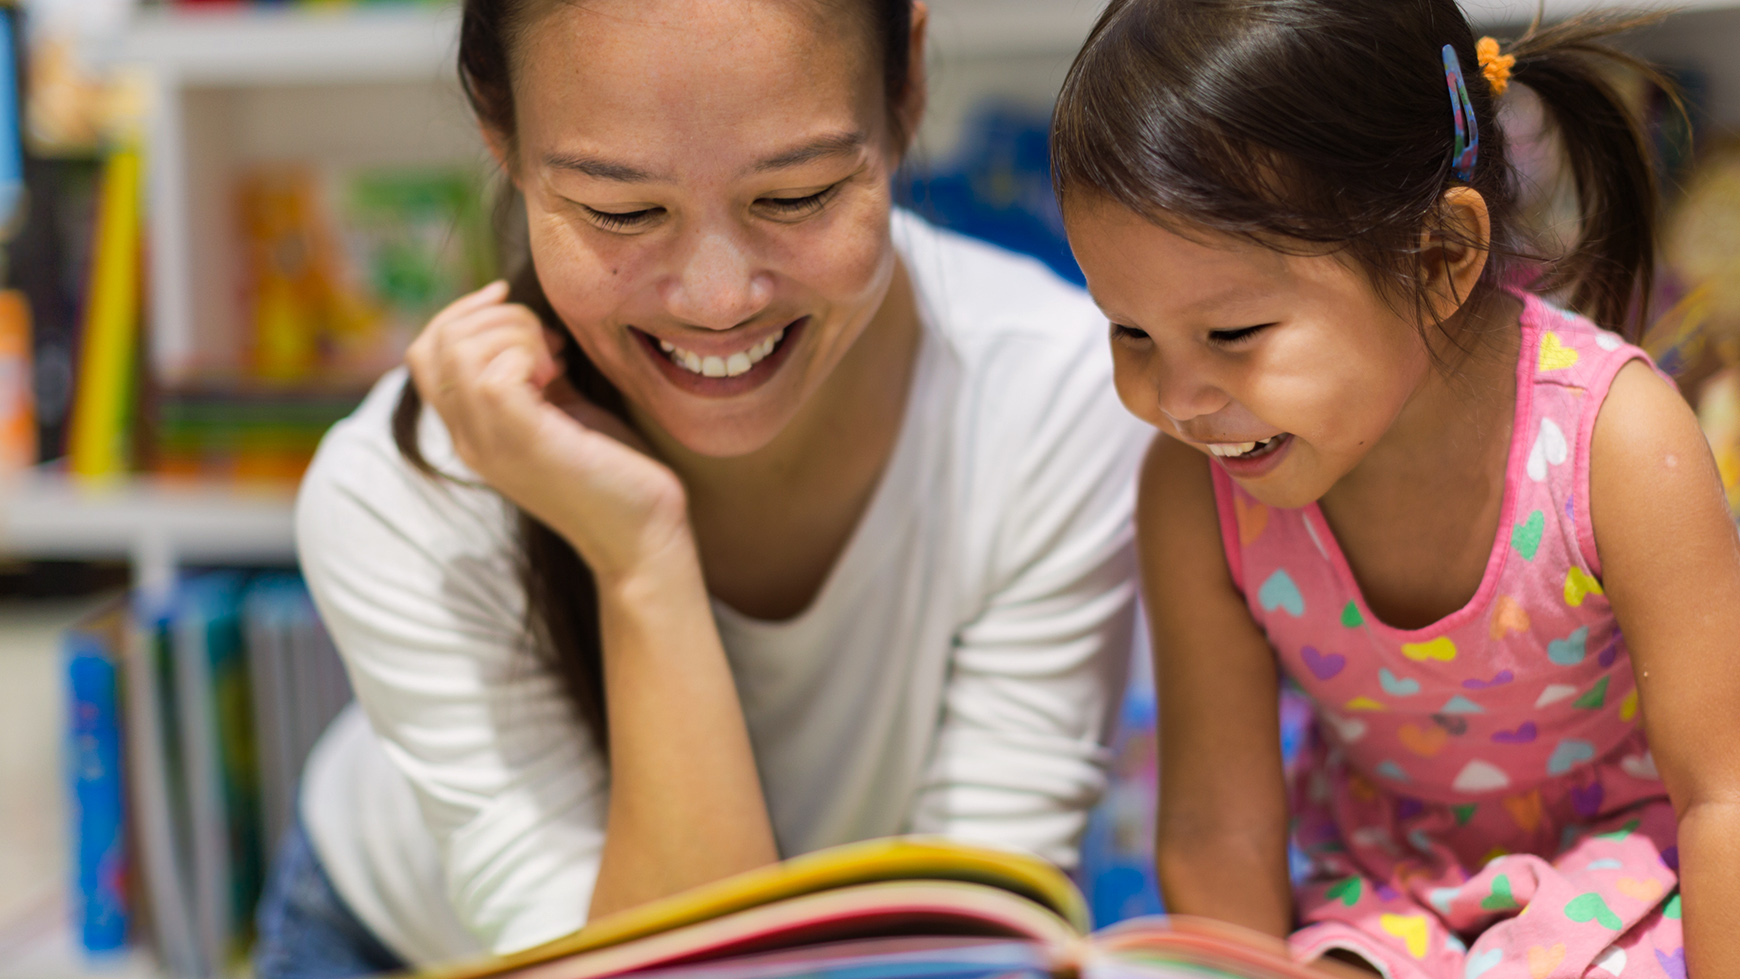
{"x": 1222, "y": 847}
{"x": 1670, "y": 561}
{"x": 686, "y": 805}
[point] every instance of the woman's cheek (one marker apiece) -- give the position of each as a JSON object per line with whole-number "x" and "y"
{"x": 1134, "y": 387}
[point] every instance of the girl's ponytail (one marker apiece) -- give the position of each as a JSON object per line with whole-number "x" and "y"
{"x": 1608, "y": 274}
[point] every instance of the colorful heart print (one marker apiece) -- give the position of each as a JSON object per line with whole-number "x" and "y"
{"x": 1397, "y": 686}
{"x": 1542, "y": 961}
{"x": 1611, "y": 961}
{"x": 1579, "y": 586}
{"x": 1482, "y": 962}
{"x": 1461, "y": 705}
{"x": 1480, "y": 776}
{"x": 1351, "y": 616}
{"x": 1585, "y": 908}
{"x": 1323, "y": 666}
{"x": 1508, "y": 616}
{"x": 1526, "y": 536}
{"x": 1570, "y": 650}
{"x": 1346, "y": 891}
{"x": 1555, "y": 355}
{"x": 1501, "y": 898}
{"x": 1550, "y": 449}
{"x": 1423, "y": 741}
{"x": 1442, "y": 649}
{"x": 1280, "y": 592}
{"x": 1570, "y": 753}
{"x": 1524, "y": 733}
{"x": 1499, "y": 679}
{"x": 1410, "y": 928}
{"x": 1555, "y": 692}
{"x": 1595, "y": 699}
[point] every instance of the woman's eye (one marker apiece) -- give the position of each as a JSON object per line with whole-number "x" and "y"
{"x": 1121, "y": 332}
{"x": 622, "y": 220}
{"x": 1228, "y": 338}
{"x": 798, "y": 206}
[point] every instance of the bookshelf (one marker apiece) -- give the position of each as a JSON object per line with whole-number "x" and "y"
{"x": 156, "y": 524}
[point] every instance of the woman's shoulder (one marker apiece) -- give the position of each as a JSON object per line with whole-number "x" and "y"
{"x": 360, "y": 487}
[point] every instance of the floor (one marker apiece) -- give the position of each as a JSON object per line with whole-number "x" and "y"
{"x": 34, "y": 940}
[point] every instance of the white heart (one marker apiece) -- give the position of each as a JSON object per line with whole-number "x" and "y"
{"x": 1609, "y": 342}
{"x": 1349, "y": 729}
{"x": 1480, "y": 776}
{"x": 1550, "y": 449}
{"x": 1640, "y": 766}
{"x": 1613, "y": 960}
{"x": 1555, "y": 693}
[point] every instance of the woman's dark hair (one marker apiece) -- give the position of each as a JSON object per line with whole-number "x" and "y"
{"x": 561, "y": 596}
{"x": 1328, "y": 124}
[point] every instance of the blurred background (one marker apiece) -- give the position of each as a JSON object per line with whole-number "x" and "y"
{"x": 221, "y": 220}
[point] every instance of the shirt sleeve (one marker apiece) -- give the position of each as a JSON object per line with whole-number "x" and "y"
{"x": 416, "y": 579}
{"x": 1020, "y": 757}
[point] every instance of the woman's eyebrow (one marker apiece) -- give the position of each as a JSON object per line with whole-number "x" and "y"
{"x": 602, "y": 169}
{"x": 832, "y": 144}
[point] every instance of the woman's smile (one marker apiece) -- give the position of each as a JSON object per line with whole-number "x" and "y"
{"x": 723, "y": 365}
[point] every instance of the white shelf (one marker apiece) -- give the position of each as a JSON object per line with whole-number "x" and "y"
{"x": 157, "y": 524}
{"x": 276, "y": 45}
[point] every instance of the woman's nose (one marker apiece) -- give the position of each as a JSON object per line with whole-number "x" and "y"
{"x": 717, "y": 283}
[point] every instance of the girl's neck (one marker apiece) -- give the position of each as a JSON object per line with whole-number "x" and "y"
{"x": 1417, "y": 517}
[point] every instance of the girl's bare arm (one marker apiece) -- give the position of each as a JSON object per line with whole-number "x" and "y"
{"x": 1671, "y": 566}
{"x": 1222, "y": 847}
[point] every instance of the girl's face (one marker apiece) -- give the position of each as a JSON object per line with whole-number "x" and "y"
{"x": 1287, "y": 370}
{"x": 707, "y": 184}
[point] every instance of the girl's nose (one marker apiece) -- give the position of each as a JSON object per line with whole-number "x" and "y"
{"x": 717, "y": 284}
{"x": 1184, "y": 393}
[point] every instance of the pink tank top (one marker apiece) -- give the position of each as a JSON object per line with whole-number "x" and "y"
{"x": 1531, "y": 680}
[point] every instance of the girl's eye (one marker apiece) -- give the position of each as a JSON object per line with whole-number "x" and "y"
{"x": 1229, "y": 338}
{"x": 1121, "y": 332}
{"x": 622, "y": 220}
{"x": 794, "y": 207}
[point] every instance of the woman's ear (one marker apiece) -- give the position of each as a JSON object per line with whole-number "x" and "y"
{"x": 910, "y": 111}
{"x": 498, "y": 145}
{"x": 1454, "y": 249}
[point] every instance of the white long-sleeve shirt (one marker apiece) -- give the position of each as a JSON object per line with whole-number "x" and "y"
{"x": 952, "y": 676}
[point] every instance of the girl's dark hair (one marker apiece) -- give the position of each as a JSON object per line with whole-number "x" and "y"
{"x": 1327, "y": 123}
{"x": 561, "y": 597}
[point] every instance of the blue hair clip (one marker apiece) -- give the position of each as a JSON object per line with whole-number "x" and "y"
{"x": 1467, "y": 149}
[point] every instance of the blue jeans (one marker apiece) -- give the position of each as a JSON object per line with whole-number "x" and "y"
{"x": 306, "y": 931}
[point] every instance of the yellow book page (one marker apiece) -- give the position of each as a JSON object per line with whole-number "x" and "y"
{"x": 906, "y": 858}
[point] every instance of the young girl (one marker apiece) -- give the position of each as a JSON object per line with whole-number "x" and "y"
{"x": 1478, "y": 531}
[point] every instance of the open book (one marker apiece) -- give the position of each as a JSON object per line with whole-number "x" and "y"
{"x": 891, "y": 909}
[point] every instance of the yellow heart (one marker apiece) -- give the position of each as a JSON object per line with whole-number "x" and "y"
{"x": 1646, "y": 890}
{"x": 1628, "y": 706}
{"x": 1440, "y": 648}
{"x": 1578, "y": 586}
{"x": 1508, "y": 616}
{"x": 1555, "y": 356}
{"x": 1542, "y": 961}
{"x": 1364, "y": 703}
{"x": 1410, "y": 928}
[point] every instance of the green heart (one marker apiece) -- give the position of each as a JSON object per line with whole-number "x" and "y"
{"x": 1621, "y": 833}
{"x": 1595, "y": 699}
{"x": 1463, "y": 813}
{"x": 1526, "y": 536}
{"x": 1350, "y": 616}
{"x": 1672, "y": 908}
{"x": 1501, "y": 898}
{"x": 1590, "y": 907}
{"x": 1346, "y": 891}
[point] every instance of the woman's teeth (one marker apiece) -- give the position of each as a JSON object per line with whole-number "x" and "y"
{"x": 738, "y": 363}
{"x": 1232, "y": 450}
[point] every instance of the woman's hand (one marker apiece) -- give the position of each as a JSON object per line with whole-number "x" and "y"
{"x": 488, "y": 369}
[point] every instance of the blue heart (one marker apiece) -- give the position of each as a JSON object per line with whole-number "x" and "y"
{"x": 1442, "y": 897}
{"x": 1391, "y": 771}
{"x": 1608, "y": 864}
{"x": 1451, "y": 941}
{"x": 1480, "y": 963}
{"x": 1570, "y": 650}
{"x": 1461, "y": 705}
{"x": 1280, "y": 592}
{"x": 1568, "y": 755}
{"x": 1397, "y": 686}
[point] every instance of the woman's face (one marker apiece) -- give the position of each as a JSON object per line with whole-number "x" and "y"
{"x": 708, "y": 187}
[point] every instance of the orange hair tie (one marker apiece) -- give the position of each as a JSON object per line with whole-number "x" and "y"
{"x": 1495, "y": 66}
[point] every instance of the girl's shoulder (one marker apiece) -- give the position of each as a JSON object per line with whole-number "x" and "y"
{"x": 1568, "y": 349}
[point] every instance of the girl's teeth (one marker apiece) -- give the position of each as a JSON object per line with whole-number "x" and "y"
{"x": 737, "y": 363}
{"x": 1227, "y": 450}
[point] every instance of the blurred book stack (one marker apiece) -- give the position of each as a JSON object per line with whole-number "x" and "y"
{"x": 190, "y": 721}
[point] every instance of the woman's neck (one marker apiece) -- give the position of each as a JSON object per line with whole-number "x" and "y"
{"x": 772, "y": 524}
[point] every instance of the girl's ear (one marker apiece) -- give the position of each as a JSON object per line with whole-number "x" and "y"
{"x": 1454, "y": 250}
{"x": 911, "y": 109}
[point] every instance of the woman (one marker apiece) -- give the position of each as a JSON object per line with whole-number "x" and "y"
{"x": 756, "y": 518}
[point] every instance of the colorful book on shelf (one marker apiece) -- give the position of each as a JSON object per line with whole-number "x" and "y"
{"x": 102, "y": 414}
{"x": 100, "y": 858}
{"x": 890, "y": 908}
